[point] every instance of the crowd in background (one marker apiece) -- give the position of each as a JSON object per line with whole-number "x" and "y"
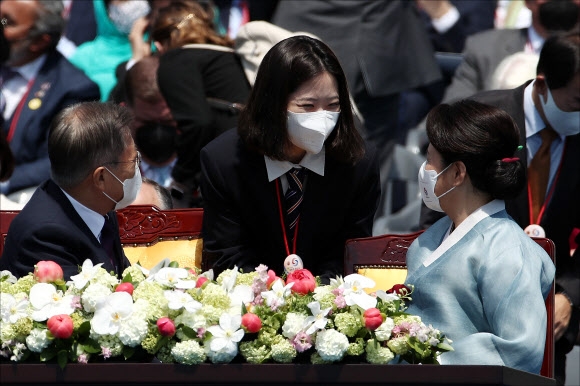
{"x": 184, "y": 70}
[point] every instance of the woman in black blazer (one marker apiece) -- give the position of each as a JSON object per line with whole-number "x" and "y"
{"x": 298, "y": 117}
{"x": 202, "y": 80}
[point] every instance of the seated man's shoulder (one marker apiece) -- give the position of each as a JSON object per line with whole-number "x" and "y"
{"x": 493, "y": 37}
{"x": 75, "y": 78}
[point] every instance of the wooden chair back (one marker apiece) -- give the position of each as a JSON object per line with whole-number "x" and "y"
{"x": 384, "y": 259}
{"x": 149, "y": 235}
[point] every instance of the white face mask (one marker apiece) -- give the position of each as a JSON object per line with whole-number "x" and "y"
{"x": 564, "y": 123}
{"x": 427, "y": 181}
{"x": 131, "y": 188}
{"x": 124, "y": 14}
{"x": 308, "y": 131}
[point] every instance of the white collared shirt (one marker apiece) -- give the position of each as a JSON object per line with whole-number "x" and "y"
{"x": 14, "y": 89}
{"x": 312, "y": 162}
{"x": 534, "y": 124}
{"x": 535, "y": 41}
{"x": 94, "y": 220}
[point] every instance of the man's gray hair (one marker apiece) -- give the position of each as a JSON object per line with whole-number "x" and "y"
{"x": 49, "y": 20}
{"x": 85, "y": 136}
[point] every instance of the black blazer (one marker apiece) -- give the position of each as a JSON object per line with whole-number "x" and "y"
{"x": 49, "y": 228}
{"x": 563, "y": 211}
{"x": 241, "y": 224}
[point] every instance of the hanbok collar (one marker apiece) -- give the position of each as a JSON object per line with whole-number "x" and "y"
{"x": 483, "y": 212}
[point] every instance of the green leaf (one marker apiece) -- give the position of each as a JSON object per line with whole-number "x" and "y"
{"x": 84, "y": 329}
{"x": 189, "y": 332}
{"x": 128, "y": 352}
{"x": 445, "y": 346}
{"x": 47, "y": 354}
{"x": 91, "y": 346}
{"x": 161, "y": 342}
{"x": 244, "y": 309}
{"x": 174, "y": 264}
{"x": 62, "y": 358}
{"x": 127, "y": 278}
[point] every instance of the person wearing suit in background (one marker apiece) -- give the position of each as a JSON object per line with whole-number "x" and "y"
{"x": 477, "y": 275}
{"x": 259, "y": 208}
{"x": 484, "y": 51}
{"x": 71, "y": 217}
{"x": 551, "y": 100}
{"x": 37, "y": 82}
{"x": 202, "y": 80}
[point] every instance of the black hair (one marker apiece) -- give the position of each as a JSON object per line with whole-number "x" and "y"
{"x": 560, "y": 58}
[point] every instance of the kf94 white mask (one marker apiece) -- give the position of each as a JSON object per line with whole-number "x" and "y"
{"x": 308, "y": 131}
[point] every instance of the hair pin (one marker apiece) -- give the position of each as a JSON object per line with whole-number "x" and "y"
{"x": 514, "y": 159}
{"x": 520, "y": 147}
{"x": 184, "y": 20}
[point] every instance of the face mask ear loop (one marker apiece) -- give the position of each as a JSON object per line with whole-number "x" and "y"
{"x": 453, "y": 187}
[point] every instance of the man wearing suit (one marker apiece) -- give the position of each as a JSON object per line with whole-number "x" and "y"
{"x": 485, "y": 50}
{"x": 37, "y": 82}
{"x": 551, "y": 100}
{"x": 71, "y": 217}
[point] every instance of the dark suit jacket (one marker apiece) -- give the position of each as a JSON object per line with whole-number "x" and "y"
{"x": 49, "y": 228}
{"x": 382, "y": 45}
{"x": 241, "y": 224}
{"x": 186, "y": 77}
{"x": 57, "y": 85}
{"x": 563, "y": 211}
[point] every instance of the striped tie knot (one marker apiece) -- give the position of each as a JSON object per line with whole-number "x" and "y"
{"x": 293, "y": 197}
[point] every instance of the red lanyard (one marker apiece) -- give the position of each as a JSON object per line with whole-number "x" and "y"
{"x": 16, "y": 114}
{"x": 283, "y": 223}
{"x": 549, "y": 196}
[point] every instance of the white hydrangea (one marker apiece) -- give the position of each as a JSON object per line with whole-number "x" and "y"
{"x": 135, "y": 328}
{"x": 188, "y": 353}
{"x": 93, "y": 294}
{"x": 194, "y": 321}
{"x": 321, "y": 292}
{"x": 225, "y": 355}
{"x": 331, "y": 345}
{"x": 105, "y": 278}
{"x": 110, "y": 342}
{"x": 37, "y": 340}
{"x": 293, "y": 324}
{"x": 383, "y": 332}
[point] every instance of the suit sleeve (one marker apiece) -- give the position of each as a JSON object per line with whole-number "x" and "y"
{"x": 467, "y": 79}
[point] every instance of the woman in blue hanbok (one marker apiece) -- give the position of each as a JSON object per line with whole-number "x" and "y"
{"x": 477, "y": 276}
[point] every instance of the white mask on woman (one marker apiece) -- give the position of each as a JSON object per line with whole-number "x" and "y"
{"x": 427, "y": 181}
{"x": 563, "y": 122}
{"x": 131, "y": 188}
{"x": 123, "y": 15}
{"x": 308, "y": 131}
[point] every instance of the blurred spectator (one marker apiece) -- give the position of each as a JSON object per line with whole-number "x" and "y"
{"x": 382, "y": 47}
{"x": 6, "y": 169}
{"x": 80, "y": 26}
{"x": 37, "y": 82}
{"x": 153, "y": 128}
{"x": 484, "y": 51}
{"x": 100, "y": 57}
{"x": 151, "y": 193}
{"x": 202, "y": 81}
{"x": 232, "y": 14}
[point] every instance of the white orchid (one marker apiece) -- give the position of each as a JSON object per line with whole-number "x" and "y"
{"x": 173, "y": 278}
{"x": 46, "y": 302}
{"x": 387, "y": 297}
{"x": 276, "y": 297}
{"x": 178, "y": 300}
{"x": 11, "y": 309}
{"x": 318, "y": 319}
{"x": 226, "y": 336}
{"x": 354, "y": 291}
{"x": 111, "y": 312}
{"x": 88, "y": 272}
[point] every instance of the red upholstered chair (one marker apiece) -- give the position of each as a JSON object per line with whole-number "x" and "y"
{"x": 6, "y": 217}
{"x": 149, "y": 235}
{"x": 384, "y": 259}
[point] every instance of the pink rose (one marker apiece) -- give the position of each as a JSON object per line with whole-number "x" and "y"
{"x": 166, "y": 326}
{"x": 200, "y": 281}
{"x": 125, "y": 287}
{"x": 60, "y": 326}
{"x": 251, "y": 322}
{"x": 373, "y": 318}
{"x": 399, "y": 289}
{"x": 48, "y": 271}
{"x": 303, "y": 281}
{"x": 272, "y": 278}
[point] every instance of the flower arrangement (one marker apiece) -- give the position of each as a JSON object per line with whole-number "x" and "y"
{"x": 184, "y": 316}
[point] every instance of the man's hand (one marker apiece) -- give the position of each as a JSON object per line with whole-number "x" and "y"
{"x": 434, "y": 8}
{"x": 563, "y": 312}
{"x": 139, "y": 47}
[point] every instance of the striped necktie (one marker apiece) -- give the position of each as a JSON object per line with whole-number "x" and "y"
{"x": 293, "y": 198}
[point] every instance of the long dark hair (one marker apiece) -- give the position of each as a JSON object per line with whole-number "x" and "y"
{"x": 485, "y": 139}
{"x": 287, "y": 66}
